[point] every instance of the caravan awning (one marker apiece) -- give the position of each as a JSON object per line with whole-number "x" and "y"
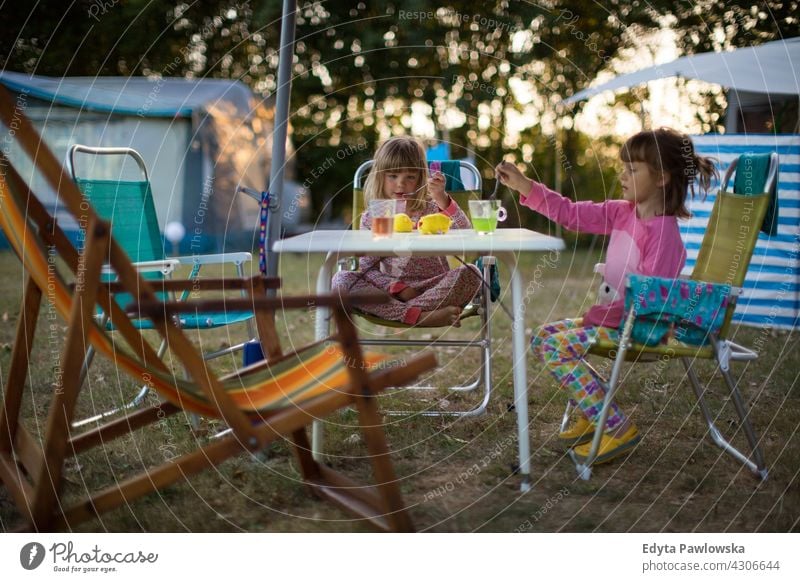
{"x": 772, "y": 68}
{"x": 146, "y": 97}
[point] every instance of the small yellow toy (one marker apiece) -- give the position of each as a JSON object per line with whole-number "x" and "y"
{"x": 434, "y": 224}
{"x": 403, "y": 223}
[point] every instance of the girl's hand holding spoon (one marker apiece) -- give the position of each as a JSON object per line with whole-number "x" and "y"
{"x": 436, "y": 190}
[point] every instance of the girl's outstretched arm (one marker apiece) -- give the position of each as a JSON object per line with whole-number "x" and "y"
{"x": 589, "y": 217}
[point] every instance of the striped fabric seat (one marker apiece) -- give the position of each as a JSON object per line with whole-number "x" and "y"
{"x": 316, "y": 369}
{"x": 311, "y": 372}
{"x": 275, "y": 399}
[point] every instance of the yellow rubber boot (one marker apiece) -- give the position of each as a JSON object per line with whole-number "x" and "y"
{"x": 580, "y": 432}
{"x": 610, "y": 446}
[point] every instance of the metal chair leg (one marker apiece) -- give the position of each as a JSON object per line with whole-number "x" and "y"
{"x": 484, "y": 376}
{"x": 137, "y": 401}
{"x": 756, "y": 465}
{"x": 585, "y": 469}
{"x": 567, "y": 415}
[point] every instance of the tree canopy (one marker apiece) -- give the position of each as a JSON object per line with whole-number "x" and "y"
{"x": 366, "y": 70}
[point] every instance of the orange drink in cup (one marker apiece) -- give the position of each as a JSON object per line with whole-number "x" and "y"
{"x": 382, "y": 213}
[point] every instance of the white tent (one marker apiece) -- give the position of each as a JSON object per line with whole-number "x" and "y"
{"x": 772, "y": 68}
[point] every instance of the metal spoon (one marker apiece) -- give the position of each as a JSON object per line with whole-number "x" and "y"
{"x": 496, "y": 188}
{"x": 409, "y": 194}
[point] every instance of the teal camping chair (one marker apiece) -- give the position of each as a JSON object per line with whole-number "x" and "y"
{"x": 128, "y": 206}
{"x": 690, "y": 319}
{"x": 463, "y": 183}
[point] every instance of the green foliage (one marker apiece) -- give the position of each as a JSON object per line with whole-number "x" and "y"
{"x": 360, "y": 67}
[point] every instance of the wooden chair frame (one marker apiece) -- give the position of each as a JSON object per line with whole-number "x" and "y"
{"x": 33, "y": 473}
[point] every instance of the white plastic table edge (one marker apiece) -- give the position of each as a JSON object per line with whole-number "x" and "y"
{"x": 504, "y": 244}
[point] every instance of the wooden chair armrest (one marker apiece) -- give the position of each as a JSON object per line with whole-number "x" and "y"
{"x": 155, "y": 309}
{"x": 198, "y": 284}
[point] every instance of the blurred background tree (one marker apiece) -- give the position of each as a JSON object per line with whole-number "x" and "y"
{"x": 486, "y": 78}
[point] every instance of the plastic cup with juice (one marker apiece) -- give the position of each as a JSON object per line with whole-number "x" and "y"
{"x": 485, "y": 214}
{"x": 382, "y": 214}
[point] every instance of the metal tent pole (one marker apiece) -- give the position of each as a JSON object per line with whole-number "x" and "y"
{"x": 732, "y": 114}
{"x": 280, "y": 131}
{"x": 557, "y": 164}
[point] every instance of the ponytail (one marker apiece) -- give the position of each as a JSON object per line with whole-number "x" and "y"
{"x": 702, "y": 170}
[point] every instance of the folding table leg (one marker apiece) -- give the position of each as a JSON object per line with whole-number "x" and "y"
{"x": 322, "y": 330}
{"x": 519, "y": 366}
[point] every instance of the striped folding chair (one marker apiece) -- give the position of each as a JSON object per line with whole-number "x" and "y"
{"x": 275, "y": 399}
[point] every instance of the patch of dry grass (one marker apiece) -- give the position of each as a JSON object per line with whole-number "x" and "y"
{"x": 459, "y": 475}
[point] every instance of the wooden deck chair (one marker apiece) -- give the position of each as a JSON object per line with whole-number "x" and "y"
{"x": 462, "y": 183}
{"x": 721, "y": 266}
{"x": 276, "y": 398}
{"x": 128, "y": 206}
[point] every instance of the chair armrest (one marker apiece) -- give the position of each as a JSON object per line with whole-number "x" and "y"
{"x": 164, "y": 266}
{"x": 215, "y": 259}
{"x": 695, "y": 308}
{"x": 666, "y": 281}
{"x": 155, "y": 309}
{"x": 197, "y": 284}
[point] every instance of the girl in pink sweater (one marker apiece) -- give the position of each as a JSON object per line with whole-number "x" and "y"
{"x": 659, "y": 169}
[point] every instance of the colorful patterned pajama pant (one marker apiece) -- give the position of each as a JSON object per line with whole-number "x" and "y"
{"x": 456, "y": 287}
{"x": 561, "y": 346}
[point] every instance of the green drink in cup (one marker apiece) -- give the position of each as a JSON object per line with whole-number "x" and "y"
{"x": 485, "y": 215}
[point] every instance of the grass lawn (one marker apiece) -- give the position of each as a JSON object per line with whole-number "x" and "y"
{"x": 458, "y": 475}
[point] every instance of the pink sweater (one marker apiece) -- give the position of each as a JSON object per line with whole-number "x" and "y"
{"x": 645, "y": 247}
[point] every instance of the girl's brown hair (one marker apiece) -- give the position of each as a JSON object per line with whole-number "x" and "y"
{"x": 396, "y": 154}
{"x": 671, "y": 154}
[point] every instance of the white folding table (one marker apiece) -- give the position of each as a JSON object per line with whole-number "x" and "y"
{"x": 506, "y": 244}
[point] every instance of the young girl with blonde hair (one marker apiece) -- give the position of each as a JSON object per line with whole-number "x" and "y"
{"x": 422, "y": 291}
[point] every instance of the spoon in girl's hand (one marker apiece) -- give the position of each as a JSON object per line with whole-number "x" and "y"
{"x": 409, "y": 194}
{"x": 496, "y": 188}
{"x": 498, "y": 175}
